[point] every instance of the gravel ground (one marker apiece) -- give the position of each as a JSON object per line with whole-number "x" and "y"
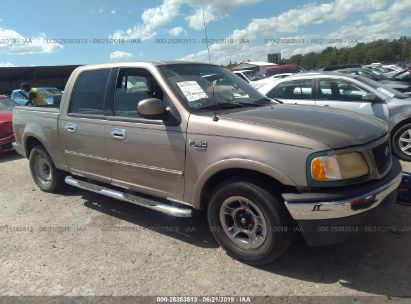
{"x": 78, "y": 243}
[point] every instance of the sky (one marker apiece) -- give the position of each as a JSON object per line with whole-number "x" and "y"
{"x": 50, "y": 32}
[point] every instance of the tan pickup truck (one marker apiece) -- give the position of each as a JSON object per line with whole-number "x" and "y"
{"x": 178, "y": 136}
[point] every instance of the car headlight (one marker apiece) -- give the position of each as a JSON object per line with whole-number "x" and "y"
{"x": 338, "y": 167}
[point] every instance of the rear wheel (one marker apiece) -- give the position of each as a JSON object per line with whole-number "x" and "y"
{"x": 250, "y": 223}
{"x": 47, "y": 177}
{"x": 401, "y": 142}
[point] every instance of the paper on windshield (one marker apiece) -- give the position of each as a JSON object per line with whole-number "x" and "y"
{"x": 192, "y": 90}
{"x": 386, "y": 92}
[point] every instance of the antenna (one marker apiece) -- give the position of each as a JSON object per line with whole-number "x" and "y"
{"x": 215, "y": 118}
{"x": 205, "y": 33}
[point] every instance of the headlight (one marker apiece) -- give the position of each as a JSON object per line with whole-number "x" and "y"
{"x": 338, "y": 167}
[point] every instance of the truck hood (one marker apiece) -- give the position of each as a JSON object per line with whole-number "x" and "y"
{"x": 334, "y": 128}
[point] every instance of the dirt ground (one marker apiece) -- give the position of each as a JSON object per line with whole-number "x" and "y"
{"x": 79, "y": 243}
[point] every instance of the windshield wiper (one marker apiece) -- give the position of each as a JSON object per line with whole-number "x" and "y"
{"x": 264, "y": 100}
{"x": 275, "y": 99}
{"x": 223, "y": 105}
{"x": 253, "y": 104}
{"x": 258, "y": 103}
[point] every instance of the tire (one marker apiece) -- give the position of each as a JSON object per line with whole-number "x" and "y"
{"x": 272, "y": 226}
{"x": 400, "y": 141}
{"x": 43, "y": 171}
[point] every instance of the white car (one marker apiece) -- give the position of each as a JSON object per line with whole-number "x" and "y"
{"x": 254, "y": 78}
{"x": 388, "y": 70}
{"x": 349, "y": 92}
{"x": 280, "y": 76}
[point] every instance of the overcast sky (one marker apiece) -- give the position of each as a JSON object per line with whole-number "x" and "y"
{"x": 49, "y": 32}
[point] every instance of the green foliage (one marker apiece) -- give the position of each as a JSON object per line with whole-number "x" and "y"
{"x": 384, "y": 51}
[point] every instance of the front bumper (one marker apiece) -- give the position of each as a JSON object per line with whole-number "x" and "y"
{"x": 6, "y": 143}
{"x": 334, "y": 215}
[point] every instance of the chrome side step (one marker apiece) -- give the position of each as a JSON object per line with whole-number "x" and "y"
{"x": 131, "y": 198}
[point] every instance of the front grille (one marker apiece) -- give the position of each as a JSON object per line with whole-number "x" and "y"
{"x": 382, "y": 157}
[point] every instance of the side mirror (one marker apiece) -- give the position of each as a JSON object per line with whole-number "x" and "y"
{"x": 151, "y": 108}
{"x": 369, "y": 97}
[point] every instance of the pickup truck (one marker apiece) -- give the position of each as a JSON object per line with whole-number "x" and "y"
{"x": 178, "y": 136}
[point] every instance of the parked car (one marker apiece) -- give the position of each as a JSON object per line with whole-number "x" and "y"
{"x": 404, "y": 76}
{"x": 6, "y": 128}
{"x": 279, "y": 76}
{"x": 262, "y": 170}
{"x": 52, "y": 95}
{"x": 387, "y": 70}
{"x": 392, "y": 69}
{"x": 401, "y": 86}
{"x": 340, "y": 67}
{"x": 281, "y": 69}
{"x": 350, "y": 92}
{"x": 254, "y": 78}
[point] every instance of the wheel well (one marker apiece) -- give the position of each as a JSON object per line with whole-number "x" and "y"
{"x": 31, "y": 142}
{"x": 262, "y": 179}
{"x": 399, "y": 125}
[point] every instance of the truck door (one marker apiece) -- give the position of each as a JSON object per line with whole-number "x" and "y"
{"x": 145, "y": 155}
{"x": 344, "y": 94}
{"x": 82, "y": 126}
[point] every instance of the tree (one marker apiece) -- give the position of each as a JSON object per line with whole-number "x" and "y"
{"x": 383, "y": 50}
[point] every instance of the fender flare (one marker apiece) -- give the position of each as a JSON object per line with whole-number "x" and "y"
{"x": 236, "y": 163}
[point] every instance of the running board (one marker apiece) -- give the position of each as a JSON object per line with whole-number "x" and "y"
{"x": 131, "y": 198}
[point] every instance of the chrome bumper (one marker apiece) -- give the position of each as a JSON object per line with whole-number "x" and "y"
{"x": 343, "y": 208}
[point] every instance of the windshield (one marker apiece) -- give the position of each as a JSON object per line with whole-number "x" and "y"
{"x": 403, "y": 75}
{"x": 375, "y": 75}
{"x": 254, "y": 75}
{"x": 49, "y": 92}
{"x": 7, "y": 105}
{"x": 386, "y": 90}
{"x": 203, "y": 87}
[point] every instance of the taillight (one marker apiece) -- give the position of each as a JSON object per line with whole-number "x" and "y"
{"x": 6, "y": 128}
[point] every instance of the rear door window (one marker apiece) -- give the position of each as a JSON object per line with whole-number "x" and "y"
{"x": 296, "y": 89}
{"x": 89, "y": 93}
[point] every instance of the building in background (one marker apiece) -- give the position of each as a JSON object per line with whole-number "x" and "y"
{"x": 274, "y": 58}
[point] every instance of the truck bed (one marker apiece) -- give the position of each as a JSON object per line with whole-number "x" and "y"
{"x": 41, "y": 122}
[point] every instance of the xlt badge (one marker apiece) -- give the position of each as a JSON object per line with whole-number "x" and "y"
{"x": 198, "y": 144}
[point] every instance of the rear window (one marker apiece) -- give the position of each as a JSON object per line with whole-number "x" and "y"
{"x": 50, "y": 92}
{"x": 386, "y": 90}
{"x": 89, "y": 93}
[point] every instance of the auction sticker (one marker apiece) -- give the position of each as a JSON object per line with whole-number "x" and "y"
{"x": 192, "y": 90}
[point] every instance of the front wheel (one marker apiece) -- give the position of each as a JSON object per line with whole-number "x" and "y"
{"x": 249, "y": 222}
{"x": 47, "y": 177}
{"x": 401, "y": 142}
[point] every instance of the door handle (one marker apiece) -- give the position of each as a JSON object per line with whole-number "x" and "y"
{"x": 118, "y": 133}
{"x": 70, "y": 127}
{"x": 326, "y": 105}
